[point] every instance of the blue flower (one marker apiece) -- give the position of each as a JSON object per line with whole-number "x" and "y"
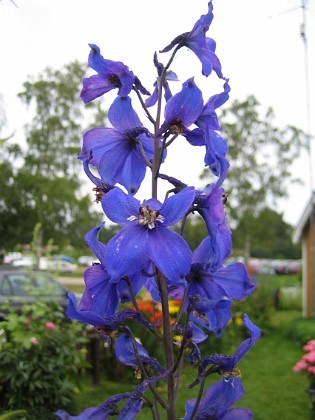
{"x": 209, "y": 204}
{"x": 135, "y": 401}
{"x": 181, "y": 111}
{"x": 102, "y": 412}
{"x": 101, "y": 295}
{"x": 126, "y": 354}
{"x": 116, "y": 152}
{"x": 216, "y": 146}
{"x": 105, "y": 325}
{"x": 145, "y": 236}
{"x": 225, "y": 365}
{"x": 170, "y": 75}
{"x": 111, "y": 75}
{"x": 217, "y": 401}
{"x": 203, "y": 47}
{"x": 211, "y": 280}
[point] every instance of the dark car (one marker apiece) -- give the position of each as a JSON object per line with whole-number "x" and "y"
{"x": 24, "y": 287}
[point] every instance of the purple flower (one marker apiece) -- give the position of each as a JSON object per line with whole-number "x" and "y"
{"x": 211, "y": 280}
{"x": 102, "y": 412}
{"x": 145, "y": 236}
{"x": 224, "y": 364}
{"x": 181, "y": 111}
{"x": 209, "y": 204}
{"x": 228, "y": 363}
{"x": 126, "y": 354}
{"x": 203, "y": 47}
{"x": 106, "y": 326}
{"x": 101, "y": 295}
{"x": 216, "y": 146}
{"x": 170, "y": 75}
{"x": 111, "y": 75}
{"x": 217, "y": 401}
{"x": 136, "y": 400}
{"x": 116, "y": 152}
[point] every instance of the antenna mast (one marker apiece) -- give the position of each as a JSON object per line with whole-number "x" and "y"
{"x": 307, "y": 92}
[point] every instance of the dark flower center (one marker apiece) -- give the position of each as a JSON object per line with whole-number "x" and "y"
{"x": 113, "y": 79}
{"x": 176, "y": 126}
{"x": 147, "y": 217}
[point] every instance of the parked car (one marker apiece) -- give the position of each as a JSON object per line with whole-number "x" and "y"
{"x": 87, "y": 260}
{"x": 28, "y": 261}
{"x": 25, "y": 287}
{"x": 62, "y": 266}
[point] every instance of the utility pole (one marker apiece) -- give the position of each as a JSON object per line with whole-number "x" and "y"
{"x": 310, "y": 240}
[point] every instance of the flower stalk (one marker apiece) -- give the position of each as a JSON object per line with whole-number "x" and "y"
{"x": 147, "y": 256}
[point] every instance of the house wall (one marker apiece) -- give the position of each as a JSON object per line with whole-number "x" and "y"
{"x": 309, "y": 273}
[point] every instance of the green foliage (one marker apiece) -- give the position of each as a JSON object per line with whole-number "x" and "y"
{"x": 301, "y": 330}
{"x": 274, "y": 242}
{"x": 258, "y": 306}
{"x": 39, "y": 362}
{"x": 41, "y": 183}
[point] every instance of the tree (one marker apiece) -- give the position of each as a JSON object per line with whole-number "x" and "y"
{"x": 42, "y": 185}
{"x": 262, "y": 155}
{"x": 271, "y": 235}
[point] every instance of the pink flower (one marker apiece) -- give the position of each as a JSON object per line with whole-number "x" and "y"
{"x": 50, "y": 326}
{"x": 301, "y": 365}
{"x": 311, "y": 370}
{"x": 310, "y": 357}
{"x": 309, "y": 346}
{"x": 34, "y": 341}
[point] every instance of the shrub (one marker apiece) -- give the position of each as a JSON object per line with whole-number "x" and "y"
{"x": 301, "y": 330}
{"x": 38, "y": 359}
{"x": 258, "y": 306}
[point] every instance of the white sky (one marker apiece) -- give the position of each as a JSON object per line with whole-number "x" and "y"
{"x": 258, "y": 43}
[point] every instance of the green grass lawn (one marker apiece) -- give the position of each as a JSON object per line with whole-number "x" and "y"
{"x": 273, "y": 390}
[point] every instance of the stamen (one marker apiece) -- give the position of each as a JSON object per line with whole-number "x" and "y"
{"x": 147, "y": 217}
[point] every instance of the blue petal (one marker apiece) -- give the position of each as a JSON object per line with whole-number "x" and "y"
{"x": 195, "y": 137}
{"x": 221, "y": 396}
{"x": 97, "y": 141}
{"x": 234, "y": 279}
{"x": 170, "y": 253}
{"x": 176, "y": 206}
{"x": 118, "y": 206}
{"x": 94, "y": 87}
{"x": 185, "y": 105}
{"x": 125, "y": 352}
{"x": 87, "y": 317}
{"x": 94, "y": 244}
{"x": 255, "y": 334}
{"x": 238, "y": 414}
{"x": 127, "y": 252}
{"x": 104, "y": 295}
{"x": 122, "y": 164}
{"x": 122, "y": 116}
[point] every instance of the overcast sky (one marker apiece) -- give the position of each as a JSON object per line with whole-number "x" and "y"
{"x": 258, "y": 43}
